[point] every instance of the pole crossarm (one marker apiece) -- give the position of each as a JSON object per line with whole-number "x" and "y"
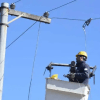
{"x": 29, "y": 16}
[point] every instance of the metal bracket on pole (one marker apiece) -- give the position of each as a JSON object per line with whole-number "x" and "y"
{"x": 4, "y": 24}
{"x": 15, "y": 18}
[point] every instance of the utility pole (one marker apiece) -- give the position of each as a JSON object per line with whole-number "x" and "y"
{"x": 4, "y": 12}
{"x": 3, "y": 34}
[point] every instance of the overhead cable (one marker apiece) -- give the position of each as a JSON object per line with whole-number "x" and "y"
{"x": 74, "y": 19}
{"x": 1, "y": 78}
{"x": 34, "y": 61}
{"x": 20, "y": 35}
{"x": 62, "y": 5}
{"x": 68, "y": 19}
{"x": 17, "y": 1}
{"x": 85, "y": 40}
{"x": 95, "y": 18}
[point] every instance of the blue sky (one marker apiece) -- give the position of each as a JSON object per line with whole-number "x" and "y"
{"x": 59, "y": 42}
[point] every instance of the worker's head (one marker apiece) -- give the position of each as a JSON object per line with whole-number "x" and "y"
{"x": 81, "y": 56}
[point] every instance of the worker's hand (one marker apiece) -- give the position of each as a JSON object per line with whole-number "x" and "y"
{"x": 91, "y": 75}
{"x": 71, "y": 75}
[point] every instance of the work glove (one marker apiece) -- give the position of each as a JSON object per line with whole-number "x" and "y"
{"x": 71, "y": 75}
{"x": 91, "y": 75}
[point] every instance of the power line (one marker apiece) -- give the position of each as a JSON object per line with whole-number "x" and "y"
{"x": 62, "y": 6}
{"x": 74, "y": 19}
{"x": 95, "y": 18}
{"x": 68, "y": 19}
{"x": 17, "y": 1}
{"x": 1, "y": 62}
{"x": 1, "y": 78}
{"x": 85, "y": 40}
{"x": 34, "y": 60}
{"x": 5, "y": 12}
{"x": 20, "y": 35}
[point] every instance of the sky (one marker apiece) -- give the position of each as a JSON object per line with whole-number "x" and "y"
{"x": 59, "y": 42}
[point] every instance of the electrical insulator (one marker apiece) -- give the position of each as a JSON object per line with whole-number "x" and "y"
{"x": 12, "y": 6}
{"x": 46, "y": 14}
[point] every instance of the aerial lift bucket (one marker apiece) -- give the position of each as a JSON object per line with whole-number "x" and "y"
{"x": 63, "y": 90}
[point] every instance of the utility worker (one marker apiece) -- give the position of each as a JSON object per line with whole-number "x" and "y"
{"x": 82, "y": 72}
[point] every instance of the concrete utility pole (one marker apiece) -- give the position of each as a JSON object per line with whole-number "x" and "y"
{"x": 4, "y": 11}
{"x": 3, "y": 34}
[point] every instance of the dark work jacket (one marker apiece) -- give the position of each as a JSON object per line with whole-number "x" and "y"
{"x": 82, "y": 73}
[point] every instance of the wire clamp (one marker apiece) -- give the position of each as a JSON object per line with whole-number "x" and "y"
{"x": 87, "y": 22}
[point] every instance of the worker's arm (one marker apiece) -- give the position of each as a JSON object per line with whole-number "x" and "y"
{"x": 84, "y": 74}
{"x": 72, "y": 69}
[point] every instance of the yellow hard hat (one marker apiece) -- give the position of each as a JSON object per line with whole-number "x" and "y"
{"x": 55, "y": 76}
{"x": 83, "y": 53}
